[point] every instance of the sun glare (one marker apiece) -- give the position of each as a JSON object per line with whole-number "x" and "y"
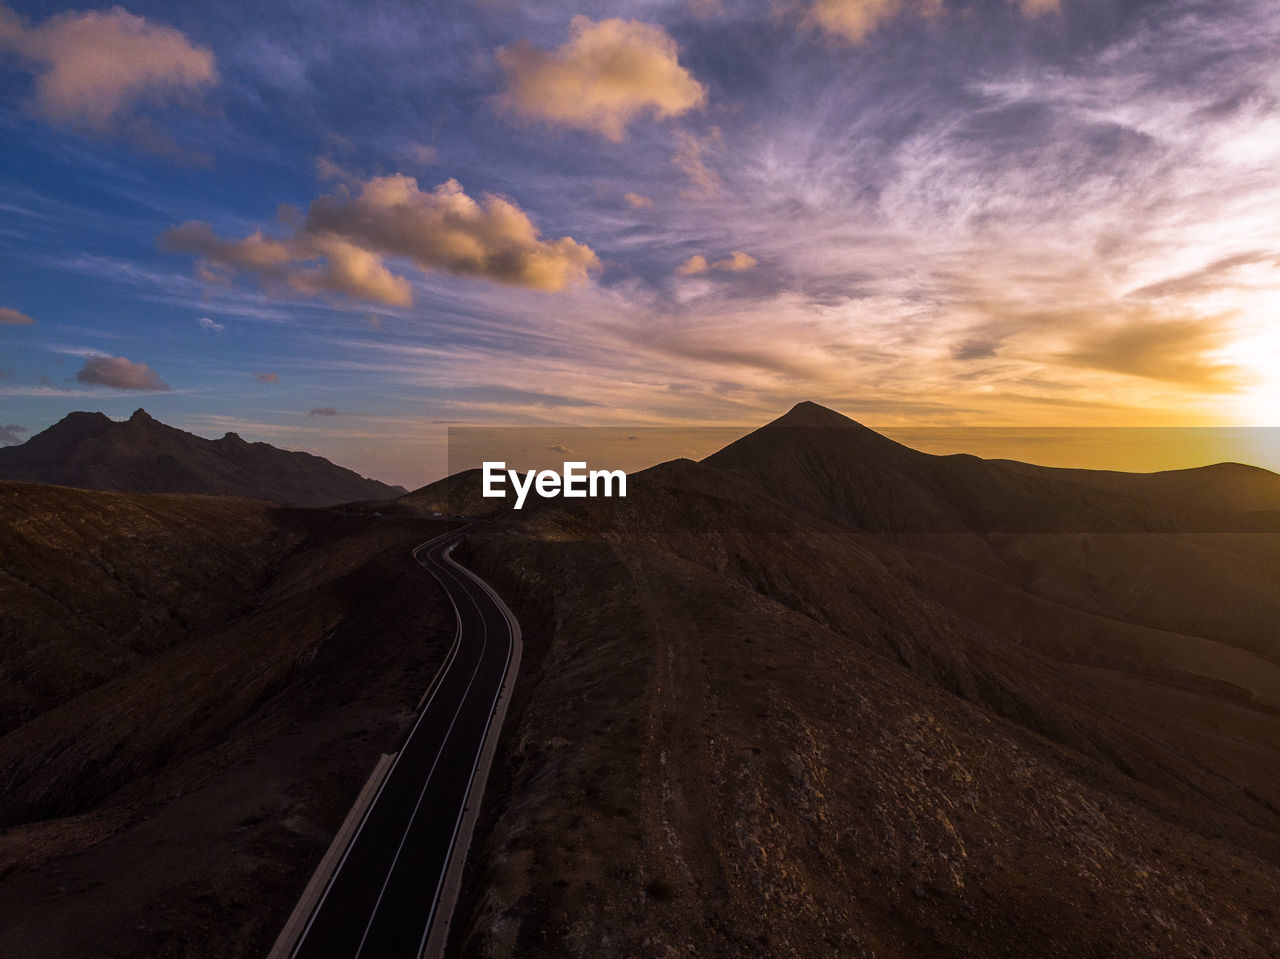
{"x": 1258, "y": 355}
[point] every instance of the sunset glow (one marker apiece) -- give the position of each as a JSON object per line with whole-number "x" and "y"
{"x": 977, "y": 213}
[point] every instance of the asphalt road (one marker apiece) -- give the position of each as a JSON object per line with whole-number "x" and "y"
{"x": 385, "y": 894}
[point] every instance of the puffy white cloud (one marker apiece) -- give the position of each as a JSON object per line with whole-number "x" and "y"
{"x": 210, "y": 326}
{"x": 343, "y": 242}
{"x": 120, "y": 373}
{"x": 601, "y": 79}
{"x": 93, "y": 67}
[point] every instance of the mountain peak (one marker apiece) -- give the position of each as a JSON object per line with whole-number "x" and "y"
{"x": 85, "y": 417}
{"x": 143, "y": 455}
{"x": 804, "y": 430}
{"x": 79, "y": 423}
{"x": 808, "y": 413}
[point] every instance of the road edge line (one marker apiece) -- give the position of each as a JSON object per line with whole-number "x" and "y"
{"x": 438, "y": 938}
{"x": 297, "y": 922}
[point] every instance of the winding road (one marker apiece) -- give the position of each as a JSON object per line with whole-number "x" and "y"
{"x": 392, "y": 892}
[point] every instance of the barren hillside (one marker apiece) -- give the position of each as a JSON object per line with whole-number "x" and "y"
{"x": 196, "y": 689}
{"x": 808, "y": 699}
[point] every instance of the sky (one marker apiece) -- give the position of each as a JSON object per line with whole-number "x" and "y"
{"x": 344, "y": 226}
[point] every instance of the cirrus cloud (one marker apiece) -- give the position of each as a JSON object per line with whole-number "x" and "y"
{"x": 605, "y": 75}
{"x": 1179, "y": 350}
{"x": 342, "y": 244}
{"x": 93, "y": 67}
{"x": 121, "y": 373}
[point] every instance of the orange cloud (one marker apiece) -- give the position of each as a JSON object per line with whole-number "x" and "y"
{"x": 855, "y": 20}
{"x": 694, "y": 265}
{"x": 1179, "y": 350}
{"x": 601, "y": 79}
{"x": 350, "y": 269}
{"x": 735, "y": 262}
{"x": 92, "y": 67}
{"x": 342, "y": 244}
{"x": 255, "y": 252}
{"x": 11, "y": 317}
{"x": 636, "y": 201}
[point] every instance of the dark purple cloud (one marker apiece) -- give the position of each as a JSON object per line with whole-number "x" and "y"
{"x": 120, "y": 373}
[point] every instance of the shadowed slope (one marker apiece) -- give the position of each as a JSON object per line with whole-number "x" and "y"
{"x": 193, "y": 690}
{"x": 822, "y": 694}
{"x": 831, "y": 466}
{"x": 142, "y": 455}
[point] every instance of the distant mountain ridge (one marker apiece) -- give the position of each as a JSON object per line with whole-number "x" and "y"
{"x": 143, "y": 455}
{"x": 824, "y": 463}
